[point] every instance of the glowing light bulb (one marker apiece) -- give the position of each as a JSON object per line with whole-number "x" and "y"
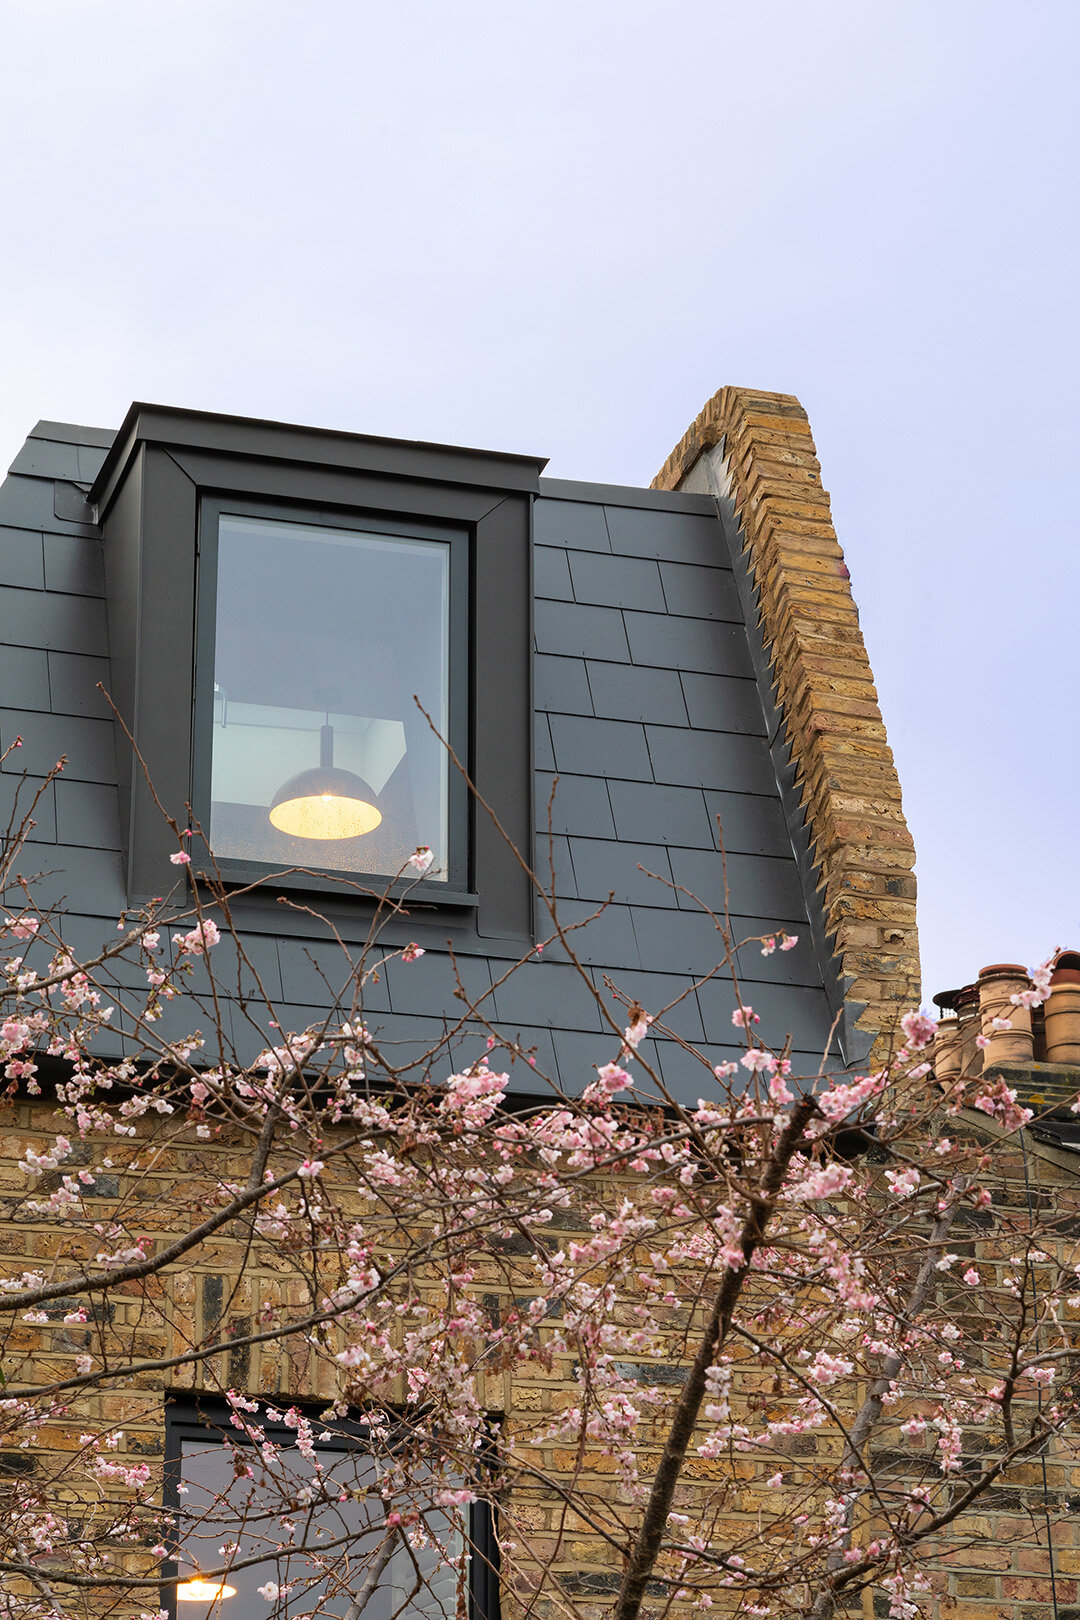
{"x": 197, "y": 1590}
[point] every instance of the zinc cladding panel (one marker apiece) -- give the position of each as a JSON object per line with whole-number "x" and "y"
{"x": 645, "y": 685}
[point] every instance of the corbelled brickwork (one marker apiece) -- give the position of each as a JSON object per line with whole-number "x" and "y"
{"x": 824, "y": 685}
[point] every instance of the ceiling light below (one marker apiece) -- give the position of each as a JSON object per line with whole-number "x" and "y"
{"x": 325, "y": 802}
{"x": 196, "y": 1590}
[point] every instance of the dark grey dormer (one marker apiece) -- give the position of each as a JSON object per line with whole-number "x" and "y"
{"x": 599, "y": 676}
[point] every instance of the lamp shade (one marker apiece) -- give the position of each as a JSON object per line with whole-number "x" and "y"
{"x": 198, "y": 1590}
{"x": 325, "y": 802}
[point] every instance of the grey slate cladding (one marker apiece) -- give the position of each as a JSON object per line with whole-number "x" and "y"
{"x": 650, "y": 723}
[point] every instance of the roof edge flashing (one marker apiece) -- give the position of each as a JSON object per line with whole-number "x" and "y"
{"x": 171, "y": 426}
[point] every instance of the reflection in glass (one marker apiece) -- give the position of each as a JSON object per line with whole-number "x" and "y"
{"x": 321, "y": 757}
{"x": 319, "y": 1548}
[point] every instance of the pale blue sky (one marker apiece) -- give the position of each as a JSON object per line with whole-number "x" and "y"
{"x": 557, "y": 228}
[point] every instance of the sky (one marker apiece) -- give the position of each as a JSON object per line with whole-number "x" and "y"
{"x": 559, "y": 228}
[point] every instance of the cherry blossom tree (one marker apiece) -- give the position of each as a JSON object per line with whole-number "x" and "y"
{"x": 756, "y": 1354}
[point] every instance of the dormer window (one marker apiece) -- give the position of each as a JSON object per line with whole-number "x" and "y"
{"x": 299, "y": 622}
{"x": 328, "y": 656}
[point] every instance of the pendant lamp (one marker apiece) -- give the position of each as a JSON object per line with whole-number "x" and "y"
{"x": 325, "y": 802}
{"x": 198, "y": 1590}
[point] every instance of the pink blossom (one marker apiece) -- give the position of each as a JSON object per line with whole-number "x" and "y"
{"x": 181, "y": 858}
{"x": 421, "y": 859}
{"x": 412, "y": 952}
{"x": 308, "y": 1169}
{"x": 756, "y": 1060}
{"x": 919, "y": 1029}
{"x": 971, "y": 1277}
{"x": 769, "y": 945}
{"x": 22, "y": 927}
{"x": 201, "y": 937}
{"x": 789, "y": 942}
{"x": 637, "y": 1031}
{"x": 743, "y": 1017}
{"x": 904, "y": 1183}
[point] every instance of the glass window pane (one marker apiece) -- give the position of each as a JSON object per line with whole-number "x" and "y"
{"x": 248, "y": 1514}
{"x": 324, "y": 637}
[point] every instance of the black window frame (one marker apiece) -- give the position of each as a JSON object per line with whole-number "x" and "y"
{"x": 163, "y": 465}
{"x": 458, "y": 888}
{"x": 198, "y": 1416}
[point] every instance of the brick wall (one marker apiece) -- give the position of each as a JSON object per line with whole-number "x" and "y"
{"x": 764, "y": 455}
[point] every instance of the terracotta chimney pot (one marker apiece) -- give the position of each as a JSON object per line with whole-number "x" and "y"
{"x": 1063, "y": 1010}
{"x": 947, "y": 1051}
{"x": 997, "y": 984}
{"x": 967, "y": 1012}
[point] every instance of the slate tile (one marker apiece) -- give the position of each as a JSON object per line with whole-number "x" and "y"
{"x": 551, "y": 574}
{"x": 689, "y": 1076}
{"x": 428, "y": 985}
{"x": 420, "y": 1046}
{"x": 543, "y": 755}
{"x": 547, "y": 992}
{"x": 625, "y": 692}
{"x": 578, "y": 525}
{"x": 538, "y": 1078}
{"x": 604, "y": 868}
{"x": 758, "y": 885}
{"x": 556, "y": 850}
{"x": 610, "y": 748}
{"x": 24, "y": 678}
{"x": 320, "y": 972}
{"x": 579, "y": 1054}
{"x": 672, "y": 536}
{"x": 74, "y": 433}
{"x": 87, "y": 813}
{"x": 723, "y": 703}
{"x": 665, "y": 642}
{"x": 752, "y": 824}
{"x": 47, "y": 458}
{"x": 28, "y": 503}
{"x": 22, "y": 562}
{"x": 576, "y": 631}
{"x": 561, "y": 686}
{"x": 17, "y": 797}
{"x": 623, "y": 582}
{"x": 784, "y": 1010}
{"x": 580, "y": 805}
{"x": 682, "y": 941}
{"x": 701, "y": 593}
{"x": 88, "y": 744}
{"x": 74, "y": 563}
{"x": 602, "y": 938}
{"x": 33, "y": 618}
{"x": 91, "y": 461}
{"x": 248, "y": 978}
{"x": 799, "y": 966}
{"x": 710, "y": 759}
{"x": 676, "y": 815}
{"x": 73, "y": 680}
{"x": 93, "y": 879}
{"x": 654, "y": 992}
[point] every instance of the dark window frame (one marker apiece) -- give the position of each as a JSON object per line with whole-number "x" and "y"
{"x": 458, "y": 888}
{"x": 189, "y": 1416}
{"x": 163, "y": 465}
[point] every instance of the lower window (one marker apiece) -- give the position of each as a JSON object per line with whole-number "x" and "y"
{"x": 286, "y": 1516}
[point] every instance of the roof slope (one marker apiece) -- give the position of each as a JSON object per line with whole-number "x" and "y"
{"x": 650, "y": 706}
